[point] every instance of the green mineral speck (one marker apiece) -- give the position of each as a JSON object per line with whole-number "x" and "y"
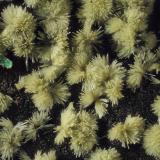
{"x": 5, "y": 62}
